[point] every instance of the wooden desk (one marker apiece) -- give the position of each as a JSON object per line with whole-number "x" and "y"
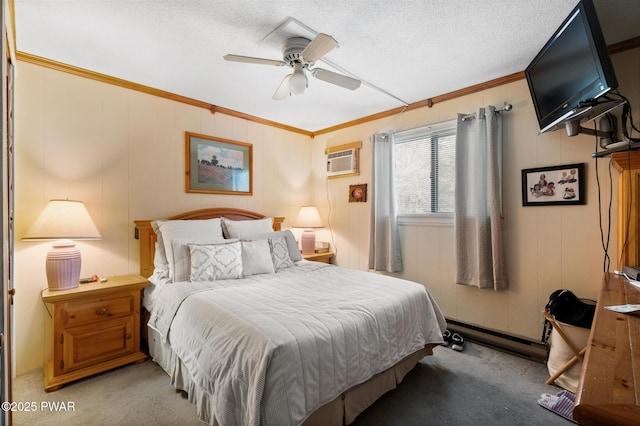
{"x": 609, "y": 389}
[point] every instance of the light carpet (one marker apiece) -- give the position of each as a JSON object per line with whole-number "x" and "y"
{"x": 480, "y": 385}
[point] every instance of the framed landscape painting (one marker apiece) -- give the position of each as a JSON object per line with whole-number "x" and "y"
{"x": 217, "y": 165}
{"x": 554, "y": 185}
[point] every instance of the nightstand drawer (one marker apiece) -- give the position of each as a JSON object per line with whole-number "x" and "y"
{"x": 95, "y": 310}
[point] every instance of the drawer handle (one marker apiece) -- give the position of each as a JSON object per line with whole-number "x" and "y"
{"x": 101, "y": 311}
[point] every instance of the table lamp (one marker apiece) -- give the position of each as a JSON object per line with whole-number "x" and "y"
{"x": 63, "y": 221}
{"x": 308, "y": 218}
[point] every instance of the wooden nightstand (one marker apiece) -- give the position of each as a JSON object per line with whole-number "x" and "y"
{"x": 93, "y": 328}
{"x": 319, "y": 257}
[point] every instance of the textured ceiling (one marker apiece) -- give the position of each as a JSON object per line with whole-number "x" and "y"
{"x": 405, "y": 51}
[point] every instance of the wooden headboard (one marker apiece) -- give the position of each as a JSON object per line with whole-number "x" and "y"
{"x": 147, "y": 236}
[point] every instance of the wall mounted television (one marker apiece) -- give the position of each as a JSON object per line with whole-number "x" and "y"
{"x": 572, "y": 70}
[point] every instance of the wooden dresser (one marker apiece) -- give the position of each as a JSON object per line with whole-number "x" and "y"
{"x": 628, "y": 164}
{"x": 93, "y": 328}
{"x": 609, "y": 389}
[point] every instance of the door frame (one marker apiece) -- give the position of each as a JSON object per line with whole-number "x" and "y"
{"x": 7, "y": 47}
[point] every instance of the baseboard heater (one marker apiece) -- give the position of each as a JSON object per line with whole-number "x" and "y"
{"x": 536, "y": 351}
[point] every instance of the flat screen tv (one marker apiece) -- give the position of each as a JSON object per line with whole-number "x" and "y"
{"x": 571, "y": 71}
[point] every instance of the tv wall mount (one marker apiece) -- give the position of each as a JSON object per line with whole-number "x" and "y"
{"x": 592, "y": 110}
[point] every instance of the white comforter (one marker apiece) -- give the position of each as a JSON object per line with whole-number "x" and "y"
{"x": 270, "y": 349}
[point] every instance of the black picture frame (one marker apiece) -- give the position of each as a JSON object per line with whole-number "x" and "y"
{"x": 554, "y": 185}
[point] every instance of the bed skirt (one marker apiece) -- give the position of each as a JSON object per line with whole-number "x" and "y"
{"x": 342, "y": 410}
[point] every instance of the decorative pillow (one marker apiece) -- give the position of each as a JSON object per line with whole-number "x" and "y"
{"x": 216, "y": 262}
{"x": 280, "y": 253}
{"x": 168, "y": 230}
{"x": 181, "y": 255}
{"x": 256, "y": 258}
{"x": 240, "y": 228}
{"x": 292, "y": 244}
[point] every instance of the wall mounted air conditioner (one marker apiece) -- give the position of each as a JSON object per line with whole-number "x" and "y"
{"x": 341, "y": 162}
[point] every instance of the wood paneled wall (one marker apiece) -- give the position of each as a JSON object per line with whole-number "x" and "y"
{"x": 547, "y": 248}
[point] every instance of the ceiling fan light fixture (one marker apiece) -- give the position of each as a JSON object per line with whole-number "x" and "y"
{"x": 298, "y": 83}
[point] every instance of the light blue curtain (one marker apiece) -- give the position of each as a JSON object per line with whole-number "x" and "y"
{"x": 384, "y": 239}
{"x": 478, "y": 218}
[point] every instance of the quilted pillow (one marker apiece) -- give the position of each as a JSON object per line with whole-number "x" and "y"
{"x": 240, "y": 228}
{"x": 168, "y": 230}
{"x": 181, "y": 255}
{"x": 280, "y": 253}
{"x": 216, "y": 262}
{"x": 292, "y": 244}
{"x": 256, "y": 258}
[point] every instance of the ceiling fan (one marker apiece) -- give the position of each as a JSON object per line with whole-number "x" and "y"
{"x": 300, "y": 53}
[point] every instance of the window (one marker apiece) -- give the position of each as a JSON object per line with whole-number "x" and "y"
{"x": 425, "y": 169}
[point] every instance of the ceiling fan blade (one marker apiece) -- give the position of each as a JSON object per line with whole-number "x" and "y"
{"x": 283, "y": 90}
{"x": 318, "y": 47}
{"x": 252, "y": 60}
{"x": 335, "y": 78}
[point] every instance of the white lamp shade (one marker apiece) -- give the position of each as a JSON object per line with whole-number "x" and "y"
{"x": 308, "y": 217}
{"x": 63, "y": 220}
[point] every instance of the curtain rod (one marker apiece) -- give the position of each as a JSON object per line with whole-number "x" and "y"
{"x": 449, "y": 123}
{"x": 506, "y": 107}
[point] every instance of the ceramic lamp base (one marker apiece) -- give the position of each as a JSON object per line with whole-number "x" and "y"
{"x": 308, "y": 242}
{"x": 63, "y": 265}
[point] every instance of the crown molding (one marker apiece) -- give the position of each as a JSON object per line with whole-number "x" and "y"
{"x": 26, "y": 57}
{"x": 80, "y": 72}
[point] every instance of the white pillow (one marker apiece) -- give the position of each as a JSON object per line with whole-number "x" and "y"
{"x": 216, "y": 262}
{"x": 240, "y": 228}
{"x": 160, "y": 257}
{"x": 256, "y": 258}
{"x": 292, "y": 244}
{"x": 168, "y": 230}
{"x": 181, "y": 259}
{"x": 280, "y": 253}
{"x": 160, "y": 266}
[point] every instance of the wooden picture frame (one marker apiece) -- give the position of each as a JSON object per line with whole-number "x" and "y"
{"x": 217, "y": 165}
{"x": 358, "y": 193}
{"x": 554, "y": 186}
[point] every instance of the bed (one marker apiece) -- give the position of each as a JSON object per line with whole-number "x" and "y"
{"x": 277, "y": 340}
